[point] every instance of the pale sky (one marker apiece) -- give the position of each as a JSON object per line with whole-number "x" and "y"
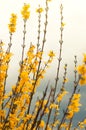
{"x": 74, "y": 32}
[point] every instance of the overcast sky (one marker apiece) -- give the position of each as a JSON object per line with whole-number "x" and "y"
{"x": 74, "y": 17}
{"x": 74, "y": 32}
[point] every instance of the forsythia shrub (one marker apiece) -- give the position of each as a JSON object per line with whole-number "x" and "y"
{"x": 15, "y": 106}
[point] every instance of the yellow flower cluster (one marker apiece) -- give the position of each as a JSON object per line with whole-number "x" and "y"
{"x": 42, "y": 124}
{"x": 84, "y": 59}
{"x": 61, "y": 95}
{"x": 48, "y": 127}
{"x": 13, "y": 120}
{"x": 44, "y": 102}
{"x": 23, "y": 89}
{"x": 54, "y": 106}
{"x": 39, "y": 54}
{"x": 82, "y": 124}
{"x": 12, "y": 24}
{"x": 4, "y": 59}
{"x": 55, "y": 123}
{"x": 82, "y": 71}
{"x": 63, "y": 24}
{"x": 39, "y": 10}
{"x": 65, "y": 80}
{"x": 51, "y": 54}
{"x": 25, "y": 11}
{"x": 64, "y": 125}
{"x": 74, "y": 106}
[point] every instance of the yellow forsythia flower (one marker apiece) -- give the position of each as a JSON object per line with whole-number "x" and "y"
{"x": 82, "y": 80}
{"x": 74, "y": 106}
{"x": 61, "y": 95}
{"x": 51, "y": 54}
{"x": 12, "y": 24}
{"x": 42, "y": 123}
{"x": 63, "y": 24}
{"x": 55, "y": 106}
{"x": 2, "y": 113}
{"x": 46, "y": 111}
{"x": 70, "y": 114}
{"x": 76, "y": 96}
{"x": 63, "y": 125}
{"x": 25, "y": 12}
{"x": 66, "y": 80}
{"x": 84, "y": 59}
{"x": 84, "y": 121}
{"x": 48, "y": 127}
{"x": 39, "y": 10}
{"x": 82, "y": 71}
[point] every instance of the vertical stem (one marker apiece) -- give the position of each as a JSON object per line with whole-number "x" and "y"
{"x": 69, "y": 127}
{"x": 62, "y": 88}
{"x": 7, "y": 52}
{"x": 39, "y": 25}
{"x": 46, "y": 22}
{"x": 38, "y": 37}
{"x": 23, "y": 45}
{"x": 59, "y": 61}
{"x": 10, "y": 44}
{"x": 75, "y": 71}
{"x": 44, "y": 109}
{"x": 75, "y": 82}
{"x": 61, "y": 42}
{"x": 40, "y": 107}
{"x": 44, "y": 40}
{"x": 23, "y": 50}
